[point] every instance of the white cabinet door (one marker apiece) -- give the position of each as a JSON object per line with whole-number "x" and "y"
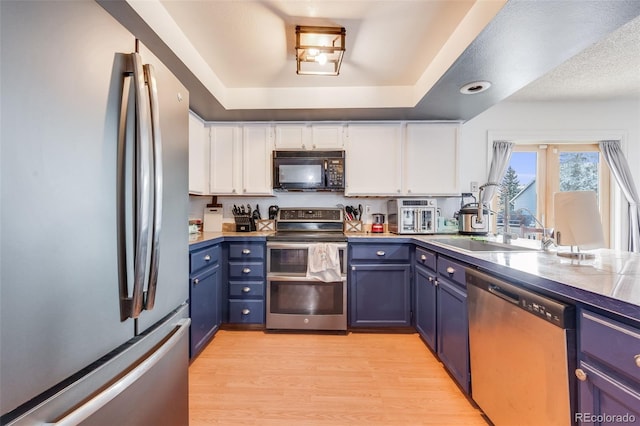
{"x": 257, "y": 148}
{"x": 373, "y": 159}
{"x": 198, "y": 156}
{"x": 431, "y": 159}
{"x": 327, "y": 136}
{"x": 225, "y": 174}
{"x": 292, "y": 136}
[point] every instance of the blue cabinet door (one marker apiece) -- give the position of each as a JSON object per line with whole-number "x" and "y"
{"x": 453, "y": 331}
{"x": 380, "y": 295}
{"x": 204, "y": 306}
{"x": 604, "y": 400}
{"x": 426, "y": 305}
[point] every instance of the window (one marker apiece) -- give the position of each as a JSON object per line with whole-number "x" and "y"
{"x": 538, "y": 171}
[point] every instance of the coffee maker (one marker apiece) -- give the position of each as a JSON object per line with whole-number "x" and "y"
{"x": 378, "y": 223}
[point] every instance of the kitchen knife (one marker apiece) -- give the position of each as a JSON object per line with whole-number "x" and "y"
{"x": 359, "y": 211}
{"x": 242, "y": 210}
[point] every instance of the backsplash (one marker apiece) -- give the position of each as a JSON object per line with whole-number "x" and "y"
{"x": 197, "y": 203}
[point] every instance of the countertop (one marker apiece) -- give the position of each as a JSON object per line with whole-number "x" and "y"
{"x": 610, "y": 281}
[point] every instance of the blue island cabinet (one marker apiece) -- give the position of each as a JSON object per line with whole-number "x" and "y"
{"x": 379, "y": 285}
{"x": 452, "y": 321}
{"x": 204, "y": 296}
{"x": 608, "y": 371}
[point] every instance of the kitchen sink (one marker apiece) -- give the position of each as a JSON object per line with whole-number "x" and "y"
{"x": 482, "y": 245}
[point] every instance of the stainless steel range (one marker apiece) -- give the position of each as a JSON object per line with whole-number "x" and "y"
{"x": 306, "y": 271}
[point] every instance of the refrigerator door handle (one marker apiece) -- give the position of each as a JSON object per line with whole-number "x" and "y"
{"x": 84, "y": 411}
{"x": 142, "y": 211}
{"x": 158, "y": 184}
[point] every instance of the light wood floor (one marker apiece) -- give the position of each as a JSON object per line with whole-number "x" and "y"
{"x": 256, "y": 378}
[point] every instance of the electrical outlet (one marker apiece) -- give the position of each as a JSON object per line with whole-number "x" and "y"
{"x": 474, "y": 187}
{"x": 367, "y": 209}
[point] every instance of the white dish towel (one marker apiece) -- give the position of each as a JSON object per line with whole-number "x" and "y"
{"x": 324, "y": 262}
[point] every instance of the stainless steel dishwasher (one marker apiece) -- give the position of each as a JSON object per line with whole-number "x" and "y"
{"x": 522, "y": 350}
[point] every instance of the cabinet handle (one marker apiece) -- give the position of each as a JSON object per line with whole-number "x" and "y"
{"x": 304, "y": 146}
{"x": 246, "y": 251}
{"x": 408, "y": 191}
{"x": 423, "y": 257}
{"x": 380, "y": 253}
{"x": 196, "y": 281}
{"x": 207, "y": 258}
{"x": 450, "y": 270}
{"x": 246, "y": 289}
{"x": 430, "y": 279}
{"x": 233, "y": 190}
{"x": 244, "y": 189}
{"x": 581, "y": 375}
{"x": 314, "y": 146}
{"x": 637, "y": 358}
{"x": 246, "y": 270}
{"x": 246, "y": 311}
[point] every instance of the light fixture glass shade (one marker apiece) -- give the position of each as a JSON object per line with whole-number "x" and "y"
{"x": 577, "y": 220}
{"x": 319, "y": 50}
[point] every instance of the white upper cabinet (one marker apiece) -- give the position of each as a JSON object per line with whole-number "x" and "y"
{"x": 309, "y": 136}
{"x": 225, "y": 175}
{"x": 373, "y": 159}
{"x": 241, "y": 159}
{"x": 430, "y": 162}
{"x": 257, "y": 148}
{"x": 198, "y": 156}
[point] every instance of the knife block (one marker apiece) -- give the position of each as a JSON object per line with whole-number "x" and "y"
{"x": 244, "y": 223}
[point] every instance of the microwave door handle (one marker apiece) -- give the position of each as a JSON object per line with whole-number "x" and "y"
{"x": 326, "y": 178}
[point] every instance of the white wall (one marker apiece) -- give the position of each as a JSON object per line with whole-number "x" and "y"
{"x": 557, "y": 120}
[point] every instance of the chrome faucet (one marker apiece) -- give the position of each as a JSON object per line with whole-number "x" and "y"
{"x": 547, "y": 240}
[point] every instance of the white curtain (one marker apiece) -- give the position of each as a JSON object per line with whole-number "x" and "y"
{"x": 620, "y": 168}
{"x": 499, "y": 164}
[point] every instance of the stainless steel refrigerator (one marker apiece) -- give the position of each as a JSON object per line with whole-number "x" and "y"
{"x": 94, "y": 212}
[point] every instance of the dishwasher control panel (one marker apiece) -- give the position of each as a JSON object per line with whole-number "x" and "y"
{"x": 557, "y": 313}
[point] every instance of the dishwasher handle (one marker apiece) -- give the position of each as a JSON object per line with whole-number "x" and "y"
{"x": 504, "y": 294}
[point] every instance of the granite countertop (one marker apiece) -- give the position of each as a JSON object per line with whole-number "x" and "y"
{"x": 610, "y": 281}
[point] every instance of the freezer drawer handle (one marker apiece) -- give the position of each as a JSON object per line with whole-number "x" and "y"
{"x": 83, "y": 412}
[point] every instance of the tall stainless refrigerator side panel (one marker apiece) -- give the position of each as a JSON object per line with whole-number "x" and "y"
{"x": 62, "y": 339}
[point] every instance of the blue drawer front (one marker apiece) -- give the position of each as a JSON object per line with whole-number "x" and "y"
{"x": 380, "y": 252}
{"x": 246, "y": 289}
{"x": 204, "y": 257}
{"x": 246, "y": 311}
{"x": 246, "y": 251}
{"x": 246, "y": 270}
{"x": 426, "y": 258}
{"x": 452, "y": 270}
{"x": 612, "y": 343}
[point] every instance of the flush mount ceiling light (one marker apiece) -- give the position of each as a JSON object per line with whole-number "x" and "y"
{"x": 319, "y": 50}
{"x": 475, "y": 87}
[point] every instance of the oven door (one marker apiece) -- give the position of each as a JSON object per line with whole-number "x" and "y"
{"x": 291, "y": 259}
{"x": 306, "y": 304}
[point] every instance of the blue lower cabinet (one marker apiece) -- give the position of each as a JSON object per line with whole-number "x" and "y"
{"x": 608, "y": 371}
{"x": 380, "y": 295}
{"x": 246, "y": 282}
{"x": 205, "y": 296}
{"x": 453, "y": 331}
{"x": 425, "y": 309}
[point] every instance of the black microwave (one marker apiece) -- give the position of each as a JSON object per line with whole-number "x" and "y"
{"x": 308, "y": 170}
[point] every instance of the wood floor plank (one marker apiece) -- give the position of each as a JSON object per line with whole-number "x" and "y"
{"x": 256, "y": 378}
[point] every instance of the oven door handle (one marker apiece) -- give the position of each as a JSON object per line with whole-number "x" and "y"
{"x": 302, "y": 278}
{"x": 285, "y": 246}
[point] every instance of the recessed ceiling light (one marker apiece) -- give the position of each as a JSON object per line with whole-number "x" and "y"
{"x": 475, "y": 87}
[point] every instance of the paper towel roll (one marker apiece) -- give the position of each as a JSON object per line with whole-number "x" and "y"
{"x": 577, "y": 219}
